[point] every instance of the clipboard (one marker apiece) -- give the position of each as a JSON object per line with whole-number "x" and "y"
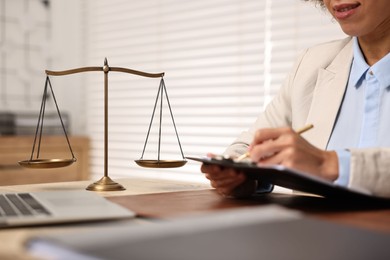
{"x": 293, "y": 179}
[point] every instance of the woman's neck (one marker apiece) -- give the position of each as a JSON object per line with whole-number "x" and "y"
{"x": 375, "y": 46}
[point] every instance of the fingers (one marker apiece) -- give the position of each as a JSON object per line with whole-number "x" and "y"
{"x": 267, "y": 134}
{"x": 226, "y": 186}
{"x": 269, "y": 142}
{"x": 223, "y": 180}
{"x": 206, "y": 168}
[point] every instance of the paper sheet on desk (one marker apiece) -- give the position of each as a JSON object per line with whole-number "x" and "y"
{"x": 267, "y": 232}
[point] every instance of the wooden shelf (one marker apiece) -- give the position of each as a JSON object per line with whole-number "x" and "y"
{"x": 18, "y": 148}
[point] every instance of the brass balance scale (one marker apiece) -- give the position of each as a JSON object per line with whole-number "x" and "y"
{"x": 105, "y": 183}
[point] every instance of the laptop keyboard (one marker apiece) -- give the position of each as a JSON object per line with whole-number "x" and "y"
{"x": 20, "y": 204}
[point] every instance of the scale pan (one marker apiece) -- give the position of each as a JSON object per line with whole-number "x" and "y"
{"x": 160, "y": 163}
{"x": 47, "y": 163}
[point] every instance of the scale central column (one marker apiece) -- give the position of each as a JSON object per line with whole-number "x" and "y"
{"x": 106, "y": 69}
{"x": 105, "y": 183}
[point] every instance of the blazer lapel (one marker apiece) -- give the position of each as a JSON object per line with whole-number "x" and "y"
{"x": 328, "y": 96}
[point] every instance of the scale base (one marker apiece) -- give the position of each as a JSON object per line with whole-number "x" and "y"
{"x": 105, "y": 184}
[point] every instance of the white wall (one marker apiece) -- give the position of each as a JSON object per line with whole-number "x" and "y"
{"x": 68, "y": 51}
{"x": 35, "y": 38}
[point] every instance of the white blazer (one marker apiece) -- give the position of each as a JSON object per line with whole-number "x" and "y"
{"x": 312, "y": 94}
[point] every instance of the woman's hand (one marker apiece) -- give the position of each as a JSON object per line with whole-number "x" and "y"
{"x": 285, "y": 147}
{"x": 228, "y": 182}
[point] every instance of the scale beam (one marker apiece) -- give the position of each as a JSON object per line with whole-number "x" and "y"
{"x": 117, "y": 69}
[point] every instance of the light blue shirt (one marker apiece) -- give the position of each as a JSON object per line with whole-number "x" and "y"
{"x": 364, "y": 118}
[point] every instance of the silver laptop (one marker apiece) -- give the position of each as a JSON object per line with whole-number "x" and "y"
{"x": 50, "y": 207}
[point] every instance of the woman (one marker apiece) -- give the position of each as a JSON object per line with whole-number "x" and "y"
{"x": 342, "y": 88}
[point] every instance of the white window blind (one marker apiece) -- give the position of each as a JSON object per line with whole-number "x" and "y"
{"x": 223, "y": 59}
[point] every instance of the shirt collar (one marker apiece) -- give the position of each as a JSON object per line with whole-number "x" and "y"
{"x": 381, "y": 70}
{"x": 360, "y": 68}
{"x": 359, "y": 65}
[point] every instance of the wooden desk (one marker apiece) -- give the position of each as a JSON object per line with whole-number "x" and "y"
{"x": 184, "y": 203}
{"x": 170, "y": 199}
